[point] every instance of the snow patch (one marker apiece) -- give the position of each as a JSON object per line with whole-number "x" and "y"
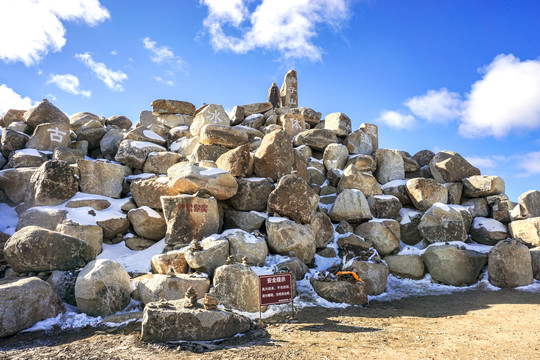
{"x": 9, "y": 218}
{"x": 394, "y": 183}
{"x": 132, "y": 261}
{"x": 490, "y": 225}
{"x": 151, "y": 212}
{"x": 152, "y": 135}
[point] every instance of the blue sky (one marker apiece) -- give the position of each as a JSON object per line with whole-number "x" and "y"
{"x": 438, "y": 75}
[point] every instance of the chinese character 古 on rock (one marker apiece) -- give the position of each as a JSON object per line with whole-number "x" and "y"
{"x": 56, "y": 135}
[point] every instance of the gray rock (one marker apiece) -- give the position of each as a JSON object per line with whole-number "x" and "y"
{"x": 390, "y": 165}
{"x": 527, "y": 230}
{"x": 243, "y": 244}
{"x": 488, "y": 231}
{"x": 91, "y": 234}
{"x": 410, "y": 219}
{"x": 442, "y": 223}
{"x": 37, "y": 249}
{"x": 238, "y": 162}
{"x": 335, "y": 156}
{"x": 53, "y": 183}
{"x": 341, "y": 291}
{"x": 350, "y": 205}
{"x": 236, "y": 286}
{"x": 358, "y": 142}
{"x": 154, "y": 287}
{"x": 423, "y": 157}
{"x": 476, "y": 206}
{"x": 214, "y": 254}
{"x": 295, "y": 266}
{"x": 397, "y": 188}
{"x": 482, "y": 185}
{"x": 285, "y": 236}
{"x": 535, "y": 260}
{"x": 455, "y": 190}
{"x": 529, "y": 203}
{"x": 71, "y": 156}
{"x": 44, "y": 112}
{"x": 405, "y": 266}
{"x": 47, "y": 137}
{"x": 374, "y": 275}
{"x": 114, "y": 227}
{"x": 102, "y": 288}
{"x": 293, "y": 198}
{"x": 110, "y": 141}
{"x": 148, "y": 192}
{"x": 252, "y": 194}
{"x": 384, "y": 234}
{"x": 426, "y": 192}
{"x": 339, "y": 123}
{"x": 160, "y": 162}
{"x": 148, "y": 223}
{"x": 316, "y": 139}
{"x": 119, "y": 121}
{"x": 451, "y": 266}
{"x": 211, "y": 114}
{"x": 449, "y": 166}
{"x": 355, "y": 179}
{"x": 248, "y": 221}
{"x": 162, "y": 263}
{"x": 133, "y": 153}
{"x": 322, "y": 228}
{"x": 101, "y": 178}
{"x": 510, "y": 265}
{"x": 23, "y": 302}
{"x": 25, "y": 158}
{"x": 275, "y": 157}
{"x": 41, "y": 216}
{"x": 162, "y": 106}
{"x": 63, "y": 283}
{"x": 12, "y": 140}
{"x": 384, "y": 206}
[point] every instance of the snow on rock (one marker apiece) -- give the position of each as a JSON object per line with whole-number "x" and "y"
{"x": 152, "y": 135}
{"x": 394, "y": 183}
{"x": 9, "y": 219}
{"x": 406, "y": 215}
{"x": 132, "y": 261}
{"x": 151, "y": 212}
{"x": 488, "y": 224}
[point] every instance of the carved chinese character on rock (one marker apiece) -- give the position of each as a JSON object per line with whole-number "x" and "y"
{"x": 289, "y": 90}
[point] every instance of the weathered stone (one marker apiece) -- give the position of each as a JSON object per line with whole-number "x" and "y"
{"x": 362, "y": 162}
{"x": 510, "y": 265}
{"x": 119, "y": 121}
{"x": 188, "y": 179}
{"x": 442, "y": 223}
{"x": 384, "y": 206}
{"x": 92, "y": 132}
{"x": 389, "y": 165}
{"x": 23, "y": 302}
{"x": 295, "y": 266}
{"x": 10, "y": 116}
{"x": 488, "y": 231}
{"x": 154, "y": 287}
{"x": 71, "y": 156}
{"x": 147, "y": 118}
{"x": 304, "y": 150}
{"x": 335, "y": 156}
{"x": 316, "y": 139}
{"x": 322, "y": 228}
{"x": 77, "y": 120}
{"x": 274, "y": 96}
{"x": 355, "y": 179}
{"x": 175, "y": 120}
{"x": 344, "y": 227}
{"x": 189, "y": 218}
{"x": 137, "y": 243}
{"x": 161, "y": 106}
{"x": 499, "y": 207}
{"x": 350, "y": 205}
{"x": 3, "y": 239}
{"x": 535, "y": 259}
{"x": 289, "y": 90}
{"x": 350, "y": 243}
{"x": 423, "y": 157}
{"x": 482, "y": 185}
{"x": 275, "y": 157}
{"x": 476, "y": 206}
{"x": 211, "y": 114}
{"x": 214, "y": 253}
{"x": 358, "y": 142}
{"x": 310, "y": 116}
{"x": 397, "y": 188}
{"x": 148, "y": 223}
{"x": 339, "y": 123}
{"x": 409, "y": 164}
{"x": 227, "y": 136}
{"x": 113, "y": 227}
{"x": 254, "y": 121}
{"x": 451, "y": 266}
{"x": 292, "y": 124}
{"x": 286, "y": 235}
{"x": 44, "y": 112}
{"x": 236, "y": 161}
{"x": 63, "y": 283}
{"x": 248, "y": 221}
{"x": 449, "y": 166}
{"x": 102, "y": 288}
{"x": 341, "y": 291}
{"x": 405, "y": 266}
{"x": 38, "y": 249}
{"x": 426, "y": 192}
{"x": 160, "y": 162}
{"x": 12, "y": 140}
{"x": 408, "y": 226}
{"x": 144, "y": 134}
{"x": 133, "y": 153}
{"x": 315, "y": 176}
{"x": 455, "y": 190}
{"x": 53, "y": 183}
{"x": 175, "y": 322}
{"x": 148, "y": 192}
{"x": 42, "y": 217}
{"x": 293, "y": 198}
{"x": 527, "y": 230}
{"x": 529, "y": 203}
{"x": 384, "y": 234}
{"x": 243, "y": 244}
{"x": 162, "y": 263}
{"x": 374, "y": 276}
{"x": 47, "y": 137}
{"x": 90, "y": 234}
{"x": 25, "y": 158}
{"x": 373, "y": 131}
{"x": 101, "y": 178}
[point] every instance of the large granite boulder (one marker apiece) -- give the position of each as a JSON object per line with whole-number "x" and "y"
{"x": 44, "y": 112}
{"x": 101, "y": 178}
{"x": 243, "y": 244}
{"x": 154, "y": 287}
{"x": 189, "y": 218}
{"x": 322, "y": 228}
{"x": 449, "y": 166}
{"x": 236, "y": 161}
{"x": 102, "y": 288}
{"x": 383, "y": 233}
{"x": 482, "y": 185}
{"x": 236, "y": 286}
{"x": 390, "y": 165}
{"x": 160, "y": 162}
{"x": 405, "y": 266}
{"x": 91, "y": 234}
{"x": 374, "y": 275}
{"x": 452, "y": 266}
{"x": 53, "y": 183}
{"x": 442, "y": 223}
{"x": 339, "y": 123}
{"x": 47, "y": 137}
{"x": 148, "y": 223}
{"x": 133, "y": 153}
{"x": 335, "y": 156}
{"x": 175, "y": 322}
{"x": 227, "y": 136}
{"x": 162, "y": 263}
{"x": 23, "y": 302}
{"x": 285, "y": 236}
{"x": 509, "y": 265}
{"x": 293, "y": 198}
{"x": 275, "y": 157}
{"x": 187, "y": 178}
{"x": 361, "y": 180}
{"x": 41, "y": 216}
{"x": 248, "y": 221}
{"x": 213, "y": 254}
{"x": 529, "y": 203}
{"x": 359, "y": 142}
{"x": 350, "y": 205}
{"x": 527, "y": 230}
{"x": 426, "y": 192}
{"x": 410, "y": 219}
{"x": 488, "y": 231}
{"x": 38, "y": 249}
{"x": 316, "y": 139}
{"x": 353, "y": 293}
{"x": 252, "y": 194}
{"x": 384, "y": 206}
{"x": 163, "y": 106}
{"x": 148, "y": 192}
{"x": 212, "y": 114}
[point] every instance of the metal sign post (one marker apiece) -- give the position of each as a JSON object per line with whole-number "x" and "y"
{"x": 275, "y": 289}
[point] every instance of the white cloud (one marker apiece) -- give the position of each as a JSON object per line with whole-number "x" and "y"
{"x": 507, "y": 98}
{"x": 396, "y": 119}
{"x": 114, "y": 52}
{"x": 111, "y": 78}
{"x": 436, "y": 105}
{"x": 159, "y": 79}
{"x": 530, "y": 163}
{"x": 69, "y": 83}
{"x": 9, "y": 99}
{"x": 35, "y": 26}
{"x": 482, "y": 162}
{"x": 287, "y": 26}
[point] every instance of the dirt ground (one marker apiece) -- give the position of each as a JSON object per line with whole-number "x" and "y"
{"x": 471, "y": 325}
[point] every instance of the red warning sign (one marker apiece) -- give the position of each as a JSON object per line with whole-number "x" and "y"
{"x": 275, "y": 289}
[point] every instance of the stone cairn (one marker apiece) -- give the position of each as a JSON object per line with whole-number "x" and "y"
{"x": 224, "y": 190}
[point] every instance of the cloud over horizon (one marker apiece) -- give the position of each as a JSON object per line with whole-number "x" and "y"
{"x": 35, "y": 27}
{"x": 286, "y": 26}
{"x": 69, "y": 83}
{"x": 112, "y": 79}
{"x": 9, "y": 99}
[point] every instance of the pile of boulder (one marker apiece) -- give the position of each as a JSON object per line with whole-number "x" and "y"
{"x": 220, "y": 193}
